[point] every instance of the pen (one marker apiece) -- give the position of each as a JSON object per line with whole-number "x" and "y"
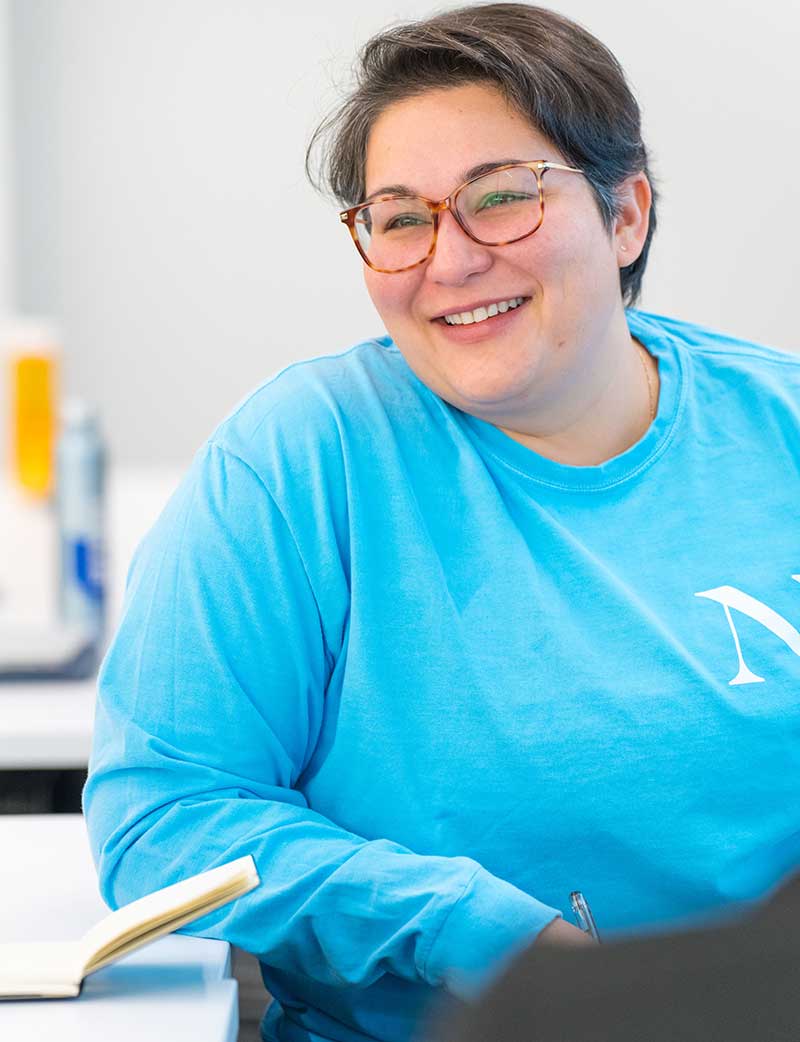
{"x": 583, "y": 914}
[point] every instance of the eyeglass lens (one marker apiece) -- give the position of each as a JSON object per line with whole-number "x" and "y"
{"x": 497, "y": 208}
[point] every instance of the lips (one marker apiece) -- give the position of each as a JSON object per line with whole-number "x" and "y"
{"x": 481, "y": 332}
{"x": 459, "y": 308}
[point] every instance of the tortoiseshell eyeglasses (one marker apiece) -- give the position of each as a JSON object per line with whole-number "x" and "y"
{"x": 394, "y": 233}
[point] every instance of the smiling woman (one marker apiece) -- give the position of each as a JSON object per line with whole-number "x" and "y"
{"x": 439, "y": 629}
{"x": 560, "y": 373}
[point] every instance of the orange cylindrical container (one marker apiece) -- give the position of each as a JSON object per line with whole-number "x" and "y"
{"x": 32, "y": 353}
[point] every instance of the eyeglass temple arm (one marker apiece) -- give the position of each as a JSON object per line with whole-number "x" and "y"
{"x": 547, "y": 165}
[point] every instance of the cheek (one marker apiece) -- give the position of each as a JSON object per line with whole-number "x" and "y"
{"x": 539, "y": 259}
{"x": 565, "y": 250}
{"x": 391, "y": 295}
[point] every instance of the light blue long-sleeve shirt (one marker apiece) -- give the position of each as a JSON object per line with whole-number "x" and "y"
{"x": 433, "y": 681}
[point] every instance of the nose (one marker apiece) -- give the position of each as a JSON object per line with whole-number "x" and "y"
{"x": 456, "y": 256}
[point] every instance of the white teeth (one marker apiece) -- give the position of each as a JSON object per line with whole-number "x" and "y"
{"x": 466, "y": 318}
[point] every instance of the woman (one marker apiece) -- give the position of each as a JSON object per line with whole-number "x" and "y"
{"x": 440, "y": 629}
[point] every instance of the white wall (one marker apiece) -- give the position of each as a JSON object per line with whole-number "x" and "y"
{"x": 6, "y": 230}
{"x": 6, "y": 227}
{"x": 160, "y": 162}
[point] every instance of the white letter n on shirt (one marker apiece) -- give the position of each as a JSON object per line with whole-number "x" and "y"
{"x": 729, "y": 597}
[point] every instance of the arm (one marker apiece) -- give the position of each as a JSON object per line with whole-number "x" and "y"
{"x": 210, "y": 704}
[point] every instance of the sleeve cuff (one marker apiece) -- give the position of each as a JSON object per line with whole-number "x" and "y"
{"x": 490, "y": 923}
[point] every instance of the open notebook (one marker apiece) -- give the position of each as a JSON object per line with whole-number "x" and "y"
{"x": 56, "y": 970}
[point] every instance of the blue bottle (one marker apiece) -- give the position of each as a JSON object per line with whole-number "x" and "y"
{"x": 80, "y": 514}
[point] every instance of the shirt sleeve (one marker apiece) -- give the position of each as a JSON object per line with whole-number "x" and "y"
{"x": 210, "y": 703}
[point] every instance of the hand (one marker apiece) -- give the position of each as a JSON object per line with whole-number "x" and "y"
{"x": 560, "y": 932}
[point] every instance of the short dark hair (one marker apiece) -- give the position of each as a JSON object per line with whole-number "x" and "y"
{"x": 562, "y": 79}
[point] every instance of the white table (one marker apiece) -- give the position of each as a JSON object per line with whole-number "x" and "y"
{"x": 178, "y": 988}
{"x": 49, "y": 724}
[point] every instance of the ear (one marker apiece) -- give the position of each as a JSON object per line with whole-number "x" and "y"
{"x": 630, "y": 228}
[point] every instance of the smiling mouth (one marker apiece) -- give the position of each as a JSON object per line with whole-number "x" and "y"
{"x": 482, "y": 314}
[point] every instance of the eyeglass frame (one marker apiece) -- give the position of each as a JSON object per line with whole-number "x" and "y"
{"x": 537, "y": 166}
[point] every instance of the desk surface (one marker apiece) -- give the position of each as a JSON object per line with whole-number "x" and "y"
{"x": 177, "y": 988}
{"x": 179, "y": 1008}
{"x": 49, "y": 724}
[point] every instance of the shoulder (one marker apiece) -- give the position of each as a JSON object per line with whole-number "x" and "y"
{"x": 311, "y": 406}
{"x": 703, "y": 341}
{"x": 292, "y": 444}
{"x": 749, "y": 368}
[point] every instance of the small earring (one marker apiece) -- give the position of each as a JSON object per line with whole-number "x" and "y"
{"x": 623, "y": 247}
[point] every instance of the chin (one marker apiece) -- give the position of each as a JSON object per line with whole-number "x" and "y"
{"x": 484, "y": 397}
{"x": 470, "y": 382}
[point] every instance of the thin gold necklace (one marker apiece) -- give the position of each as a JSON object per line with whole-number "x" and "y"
{"x": 650, "y": 394}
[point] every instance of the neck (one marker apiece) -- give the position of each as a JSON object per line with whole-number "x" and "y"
{"x": 604, "y": 417}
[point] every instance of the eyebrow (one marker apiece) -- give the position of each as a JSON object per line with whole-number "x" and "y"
{"x": 467, "y": 175}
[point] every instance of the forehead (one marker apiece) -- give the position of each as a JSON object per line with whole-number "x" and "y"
{"x": 427, "y": 142}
